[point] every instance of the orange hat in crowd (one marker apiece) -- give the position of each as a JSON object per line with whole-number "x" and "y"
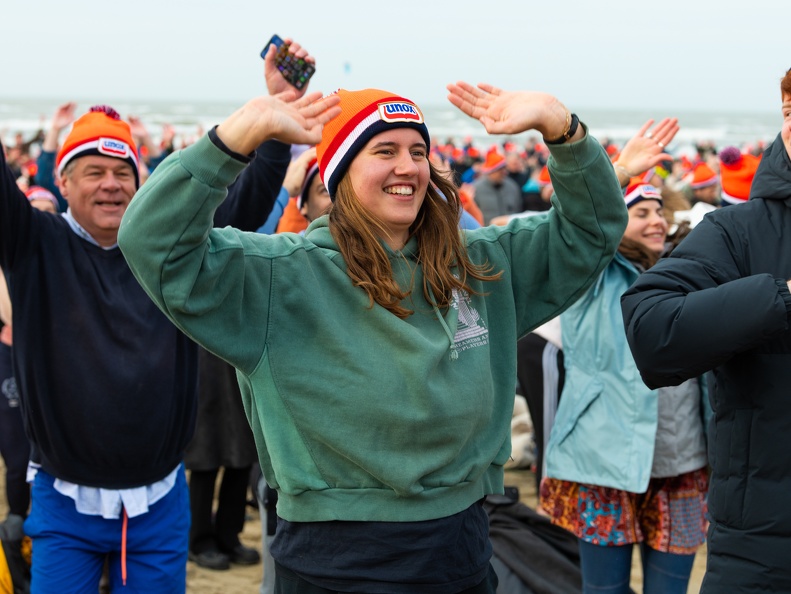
{"x": 364, "y": 114}
{"x": 737, "y": 171}
{"x": 638, "y": 190}
{"x": 686, "y": 164}
{"x": 701, "y": 176}
{"x": 543, "y": 177}
{"x": 39, "y": 193}
{"x": 312, "y": 169}
{"x": 101, "y": 131}
{"x": 493, "y": 162}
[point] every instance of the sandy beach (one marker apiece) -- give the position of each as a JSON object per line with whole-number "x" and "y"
{"x": 247, "y": 580}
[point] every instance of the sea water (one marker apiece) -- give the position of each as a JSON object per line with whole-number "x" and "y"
{"x": 445, "y": 122}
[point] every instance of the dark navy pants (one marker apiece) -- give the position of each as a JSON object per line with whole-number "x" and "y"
{"x": 14, "y": 446}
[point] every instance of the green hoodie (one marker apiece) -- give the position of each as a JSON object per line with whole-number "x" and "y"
{"x": 359, "y": 415}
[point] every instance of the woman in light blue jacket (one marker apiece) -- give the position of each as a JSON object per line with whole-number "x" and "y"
{"x": 625, "y": 464}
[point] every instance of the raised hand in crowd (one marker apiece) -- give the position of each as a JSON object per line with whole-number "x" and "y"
{"x": 61, "y": 119}
{"x": 646, "y": 149}
{"x": 168, "y": 135}
{"x": 275, "y": 83}
{"x": 276, "y": 116}
{"x": 512, "y": 112}
{"x": 142, "y": 137}
{"x": 297, "y": 170}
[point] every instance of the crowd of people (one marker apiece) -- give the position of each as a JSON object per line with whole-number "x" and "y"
{"x": 152, "y": 345}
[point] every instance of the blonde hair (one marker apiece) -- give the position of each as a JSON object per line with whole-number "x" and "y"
{"x": 441, "y": 251}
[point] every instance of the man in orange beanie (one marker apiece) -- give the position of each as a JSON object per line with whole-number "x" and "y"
{"x": 704, "y": 184}
{"x": 496, "y": 193}
{"x": 722, "y": 302}
{"x": 109, "y": 384}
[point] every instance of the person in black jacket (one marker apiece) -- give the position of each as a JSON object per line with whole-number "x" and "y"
{"x": 721, "y": 302}
{"x": 108, "y": 384}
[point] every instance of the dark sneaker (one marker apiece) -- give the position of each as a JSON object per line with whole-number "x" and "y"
{"x": 242, "y": 555}
{"x": 211, "y": 559}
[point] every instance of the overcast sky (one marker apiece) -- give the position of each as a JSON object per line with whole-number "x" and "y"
{"x": 693, "y": 54}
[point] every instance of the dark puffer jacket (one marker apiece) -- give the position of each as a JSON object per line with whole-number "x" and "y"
{"x": 720, "y": 302}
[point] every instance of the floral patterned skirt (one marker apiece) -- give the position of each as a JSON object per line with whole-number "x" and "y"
{"x": 669, "y": 517}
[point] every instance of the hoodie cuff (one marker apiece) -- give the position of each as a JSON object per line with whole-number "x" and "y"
{"x": 221, "y": 145}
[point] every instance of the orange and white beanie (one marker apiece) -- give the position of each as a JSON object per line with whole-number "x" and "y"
{"x": 312, "y": 170}
{"x": 39, "y": 193}
{"x": 701, "y": 176}
{"x": 638, "y": 190}
{"x": 101, "y": 131}
{"x": 364, "y": 114}
{"x": 737, "y": 171}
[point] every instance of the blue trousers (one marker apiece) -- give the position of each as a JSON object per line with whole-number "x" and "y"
{"x": 607, "y": 570}
{"x": 69, "y": 548}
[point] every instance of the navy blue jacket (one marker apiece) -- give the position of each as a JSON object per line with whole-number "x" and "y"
{"x": 721, "y": 302}
{"x": 108, "y": 384}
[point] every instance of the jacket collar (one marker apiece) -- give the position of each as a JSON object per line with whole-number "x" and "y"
{"x": 773, "y": 177}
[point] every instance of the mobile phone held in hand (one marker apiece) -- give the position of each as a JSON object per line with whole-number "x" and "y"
{"x": 295, "y": 70}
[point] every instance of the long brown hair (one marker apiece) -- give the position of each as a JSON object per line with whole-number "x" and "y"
{"x": 637, "y": 253}
{"x": 441, "y": 251}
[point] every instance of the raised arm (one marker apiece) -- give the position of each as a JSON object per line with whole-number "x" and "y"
{"x": 553, "y": 257}
{"x": 198, "y": 275}
{"x": 17, "y": 232}
{"x": 253, "y": 196}
{"x": 45, "y": 174}
{"x": 514, "y": 112}
{"x": 645, "y": 149}
{"x": 696, "y": 309}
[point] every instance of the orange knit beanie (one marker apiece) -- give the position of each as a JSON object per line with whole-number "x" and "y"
{"x": 701, "y": 176}
{"x": 737, "y": 171}
{"x": 101, "y": 131}
{"x": 364, "y": 114}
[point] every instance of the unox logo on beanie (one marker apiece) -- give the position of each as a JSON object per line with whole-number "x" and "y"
{"x": 113, "y": 148}
{"x": 364, "y": 114}
{"x": 101, "y": 131}
{"x": 400, "y": 111}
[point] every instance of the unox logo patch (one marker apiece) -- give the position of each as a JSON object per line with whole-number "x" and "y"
{"x": 400, "y": 111}
{"x": 113, "y": 148}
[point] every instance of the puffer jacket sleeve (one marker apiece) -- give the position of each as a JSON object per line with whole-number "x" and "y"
{"x": 698, "y": 308}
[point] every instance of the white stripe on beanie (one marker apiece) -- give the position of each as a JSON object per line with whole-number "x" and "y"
{"x": 347, "y": 143}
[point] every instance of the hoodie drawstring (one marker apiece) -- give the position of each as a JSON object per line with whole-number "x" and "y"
{"x": 124, "y": 527}
{"x": 454, "y": 354}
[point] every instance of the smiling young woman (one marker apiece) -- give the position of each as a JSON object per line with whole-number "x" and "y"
{"x": 382, "y": 453}
{"x": 625, "y": 464}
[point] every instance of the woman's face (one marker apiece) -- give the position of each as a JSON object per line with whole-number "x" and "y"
{"x": 319, "y": 201}
{"x": 390, "y": 176}
{"x": 647, "y": 225}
